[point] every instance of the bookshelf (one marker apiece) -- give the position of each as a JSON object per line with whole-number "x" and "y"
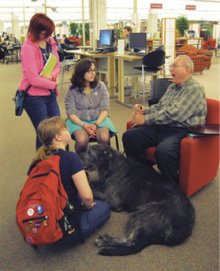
{"x": 197, "y": 42}
{"x": 153, "y": 44}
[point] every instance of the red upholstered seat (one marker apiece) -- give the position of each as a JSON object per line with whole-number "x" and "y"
{"x": 200, "y": 57}
{"x": 199, "y": 156}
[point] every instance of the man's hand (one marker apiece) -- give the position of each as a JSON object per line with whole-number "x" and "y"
{"x": 137, "y": 119}
{"x": 139, "y": 109}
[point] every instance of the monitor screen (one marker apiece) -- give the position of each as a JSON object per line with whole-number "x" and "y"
{"x": 138, "y": 41}
{"x": 106, "y": 37}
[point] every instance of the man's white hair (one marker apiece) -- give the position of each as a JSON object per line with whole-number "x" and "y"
{"x": 187, "y": 61}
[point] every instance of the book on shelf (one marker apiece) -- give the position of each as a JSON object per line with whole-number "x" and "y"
{"x": 49, "y": 66}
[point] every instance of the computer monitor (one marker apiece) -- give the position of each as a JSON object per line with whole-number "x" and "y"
{"x": 138, "y": 41}
{"x": 106, "y": 38}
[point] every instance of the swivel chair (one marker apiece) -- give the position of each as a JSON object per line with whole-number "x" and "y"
{"x": 151, "y": 63}
{"x": 94, "y": 140}
{"x": 66, "y": 60}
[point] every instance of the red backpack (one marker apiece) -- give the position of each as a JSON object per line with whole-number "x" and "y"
{"x": 41, "y": 204}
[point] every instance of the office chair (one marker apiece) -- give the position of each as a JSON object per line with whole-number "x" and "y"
{"x": 93, "y": 140}
{"x": 151, "y": 63}
{"x": 157, "y": 88}
{"x": 66, "y": 61}
{"x": 199, "y": 153}
{"x": 2, "y": 53}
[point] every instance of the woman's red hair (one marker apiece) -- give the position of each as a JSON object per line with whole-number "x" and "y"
{"x": 40, "y": 22}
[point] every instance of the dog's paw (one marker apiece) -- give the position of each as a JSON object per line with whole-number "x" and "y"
{"x": 102, "y": 240}
{"x": 102, "y": 251}
{"x": 116, "y": 208}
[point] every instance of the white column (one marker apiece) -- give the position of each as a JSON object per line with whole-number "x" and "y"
{"x": 168, "y": 40}
{"x": 83, "y": 24}
{"x": 15, "y": 26}
{"x": 1, "y": 27}
{"x": 152, "y": 23}
{"x": 98, "y": 19}
{"x": 64, "y": 29}
{"x": 135, "y": 19}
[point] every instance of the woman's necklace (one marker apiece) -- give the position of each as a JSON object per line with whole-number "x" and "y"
{"x": 87, "y": 91}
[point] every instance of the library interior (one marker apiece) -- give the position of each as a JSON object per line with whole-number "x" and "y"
{"x": 132, "y": 47}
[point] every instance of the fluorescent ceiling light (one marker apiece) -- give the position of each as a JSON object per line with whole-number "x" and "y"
{"x": 214, "y": 1}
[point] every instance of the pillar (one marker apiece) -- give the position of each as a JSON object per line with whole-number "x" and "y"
{"x": 97, "y": 19}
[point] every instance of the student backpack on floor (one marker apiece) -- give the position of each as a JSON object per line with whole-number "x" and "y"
{"x": 40, "y": 208}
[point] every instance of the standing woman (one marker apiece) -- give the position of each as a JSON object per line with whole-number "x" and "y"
{"x": 40, "y": 102}
{"x": 87, "y": 105}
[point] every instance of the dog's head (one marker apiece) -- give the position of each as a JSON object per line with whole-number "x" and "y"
{"x": 98, "y": 157}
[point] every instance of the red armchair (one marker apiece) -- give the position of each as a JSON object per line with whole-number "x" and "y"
{"x": 200, "y": 57}
{"x": 199, "y": 158}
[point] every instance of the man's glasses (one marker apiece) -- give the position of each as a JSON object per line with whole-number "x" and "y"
{"x": 175, "y": 66}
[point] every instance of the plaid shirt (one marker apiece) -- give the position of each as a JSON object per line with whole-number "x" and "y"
{"x": 181, "y": 106}
{"x": 88, "y": 107}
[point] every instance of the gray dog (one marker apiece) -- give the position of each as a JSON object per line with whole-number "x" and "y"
{"x": 160, "y": 212}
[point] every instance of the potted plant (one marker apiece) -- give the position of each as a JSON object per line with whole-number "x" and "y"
{"x": 182, "y": 24}
{"x": 76, "y": 30}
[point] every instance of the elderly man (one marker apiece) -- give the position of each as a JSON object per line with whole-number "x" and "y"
{"x": 164, "y": 124}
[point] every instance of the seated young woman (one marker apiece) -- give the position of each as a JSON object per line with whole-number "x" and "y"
{"x": 87, "y": 106}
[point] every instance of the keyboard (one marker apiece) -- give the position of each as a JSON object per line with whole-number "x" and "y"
{"x": 95, "y": 52}
{"x": 136, "y": 53}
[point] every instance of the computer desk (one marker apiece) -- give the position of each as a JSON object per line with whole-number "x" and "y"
{"x": 129, "y": 61}
{"x": 105, "y": 64}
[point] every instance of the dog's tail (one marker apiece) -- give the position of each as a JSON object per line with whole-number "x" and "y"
{"x": 111, "y": 246}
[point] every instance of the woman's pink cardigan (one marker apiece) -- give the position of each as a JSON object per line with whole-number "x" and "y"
{"x": 32, "y": 65}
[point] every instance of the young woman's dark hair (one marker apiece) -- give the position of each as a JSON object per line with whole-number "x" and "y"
{"x": 40, "y": 22}
{"x": 81, "y": 68}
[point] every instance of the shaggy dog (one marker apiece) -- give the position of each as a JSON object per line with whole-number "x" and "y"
{"x": 160, "y": 212}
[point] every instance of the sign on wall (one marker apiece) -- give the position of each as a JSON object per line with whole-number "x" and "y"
{"x": 156, "y": 6}
{"x": 190, "y": 7}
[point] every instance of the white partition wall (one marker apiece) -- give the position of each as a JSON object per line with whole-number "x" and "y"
{"x": 216, "y": 33}
{"x": 168, "y": 40}
{"x": 152, "y": 23}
